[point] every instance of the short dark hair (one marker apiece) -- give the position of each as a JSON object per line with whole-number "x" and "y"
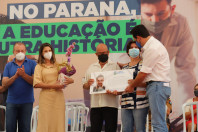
{"x": 129, "y": 46}
{"x": 41, "y": 59}
{"x": 140, "y": 30}
{"x": 154, "y": 1}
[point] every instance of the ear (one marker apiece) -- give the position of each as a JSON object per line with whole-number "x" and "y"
{"x": 173, "y": 9}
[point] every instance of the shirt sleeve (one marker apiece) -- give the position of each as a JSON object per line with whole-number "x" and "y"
{"x": 37, "y": 75}
{"x": 6, "y": 71}
{"x": 87, "y": 77}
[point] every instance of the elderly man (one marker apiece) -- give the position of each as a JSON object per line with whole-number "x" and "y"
{"x": 104, "y": 107}
{"x": 18, "y": 78}
{"x": 3, "y": 60}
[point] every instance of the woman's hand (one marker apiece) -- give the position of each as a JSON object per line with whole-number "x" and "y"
{"x": 130, "y": 81}
{"x": 115, "y": 92}
{"x": 68, "y": 81}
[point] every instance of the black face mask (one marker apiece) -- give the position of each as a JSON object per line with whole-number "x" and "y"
{"x": 103, "y": 57}
{"x": 196, "y": 93}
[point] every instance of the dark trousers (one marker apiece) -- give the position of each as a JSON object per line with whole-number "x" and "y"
{"x": 20, "y": 113}
{"x": 107, "y": 114}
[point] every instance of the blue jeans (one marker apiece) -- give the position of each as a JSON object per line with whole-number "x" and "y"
{"x": 158, "y": 94}
{"x": 134, "y": 118}
{"x": 20, "y": 113}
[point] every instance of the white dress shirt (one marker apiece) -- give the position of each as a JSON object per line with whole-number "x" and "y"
{"x": 102, "y": 100}
{"x": 155, "y": 61}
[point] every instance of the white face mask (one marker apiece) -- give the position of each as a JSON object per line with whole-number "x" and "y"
{"x": 48, "y": 55}
{"x": 20, "y": 56}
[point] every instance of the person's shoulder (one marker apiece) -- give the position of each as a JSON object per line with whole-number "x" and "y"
{"x": 156, "y": 45}
{"x": 9, "y": 64}
{"x": 111, "y": 63}
{"x": 93, "y": 65}
{"x": 31, "y": 62}
{"x": 38, "y": 66}
{"x": 179, "y": 17}
{"x": 179, "y": 21}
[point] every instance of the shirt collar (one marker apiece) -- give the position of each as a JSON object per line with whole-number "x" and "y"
{"x": 108, "y": 63}
{"x": 173, "y": 20}
{"x": 26, "y": 59}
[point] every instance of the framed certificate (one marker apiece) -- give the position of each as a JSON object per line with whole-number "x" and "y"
{"x": 110, "y": 80}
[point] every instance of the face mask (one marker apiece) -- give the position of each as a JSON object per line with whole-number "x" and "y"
{"x": 156, "y": 27}
{"x": 20, "y": 56}
{"x": 138, "y": 44}
{"x": 103, "y": 57}
{"x": 196, "y": 93}
{"x": 134, "y": 52}
{"x": 48, "y": 55}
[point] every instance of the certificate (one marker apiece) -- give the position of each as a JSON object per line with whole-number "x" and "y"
{"x": 110, "y": 80}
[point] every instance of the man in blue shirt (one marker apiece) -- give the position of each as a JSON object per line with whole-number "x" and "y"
{"x": 18, "y": 78}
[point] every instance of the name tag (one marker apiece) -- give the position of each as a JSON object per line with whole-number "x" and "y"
{"x": 166, "y": 84}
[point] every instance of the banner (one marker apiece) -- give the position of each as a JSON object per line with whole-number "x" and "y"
{"x": 115, "y": 34}
{"x": 90, "y": 22}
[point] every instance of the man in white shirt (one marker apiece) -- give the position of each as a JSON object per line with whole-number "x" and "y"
{"x": 104, "y": 107}
{"x": 155, "y": 72}
{"x": 172, "y": 29}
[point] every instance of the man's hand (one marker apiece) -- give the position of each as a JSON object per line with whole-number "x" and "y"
{"x": 1, "y": 88}
{"x": 90, "y": 82}
{"x": 21, "y": 71}
{"x": 129, "y": 89}
{"x": 16, "y": 75}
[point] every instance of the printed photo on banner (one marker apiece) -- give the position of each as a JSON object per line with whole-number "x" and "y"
{"x": 110, "y": 80}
